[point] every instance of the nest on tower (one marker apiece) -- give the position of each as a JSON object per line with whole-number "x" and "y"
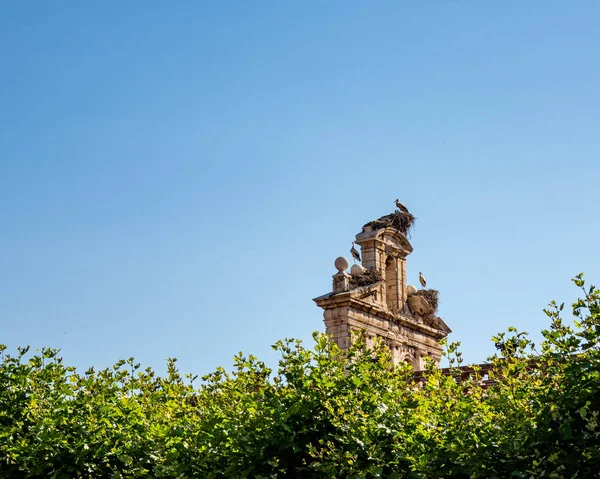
{"x": 401, "y": 220}
{"x": 367, "y": 277}
{"x": 432, "y": 296}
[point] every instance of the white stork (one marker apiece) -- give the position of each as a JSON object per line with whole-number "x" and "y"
{"x": 400, "y": 206}
{"x": 422, "y": 279}
{"x": 355, "y": 254}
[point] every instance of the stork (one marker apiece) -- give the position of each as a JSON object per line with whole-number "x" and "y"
{"x": 355, "y": 254}
{"x": 400, "y": 206}
{"x": 422, "y": 279}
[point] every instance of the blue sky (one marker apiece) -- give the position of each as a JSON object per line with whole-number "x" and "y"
{"x": 177, "y": 178}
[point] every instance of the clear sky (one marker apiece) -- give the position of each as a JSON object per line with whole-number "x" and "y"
{"x": 177, "y": 178}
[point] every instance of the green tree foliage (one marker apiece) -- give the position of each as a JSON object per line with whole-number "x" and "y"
{"x": 323, "y": 413}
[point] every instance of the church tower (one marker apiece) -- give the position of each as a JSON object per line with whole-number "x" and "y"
{"x": 375, "y": 297}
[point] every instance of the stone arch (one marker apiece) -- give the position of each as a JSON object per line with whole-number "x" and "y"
{"x": 395, "y": 239}
{"x": 410, "y": 359}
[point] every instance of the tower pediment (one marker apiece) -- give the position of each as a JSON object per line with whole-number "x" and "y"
{"x": 389, "y": 236}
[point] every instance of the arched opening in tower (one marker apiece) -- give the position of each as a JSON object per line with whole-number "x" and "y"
{"x": 408, "y": 359}
{"x": 391, "y": 283}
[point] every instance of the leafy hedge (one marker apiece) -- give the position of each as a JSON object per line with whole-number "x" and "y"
{"x": 323, "y": 413}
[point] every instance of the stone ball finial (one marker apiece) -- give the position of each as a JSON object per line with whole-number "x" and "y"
{"x": 410, "y": 289}
{"x": 357, "y": 269}
{"x": 341, "y": 264}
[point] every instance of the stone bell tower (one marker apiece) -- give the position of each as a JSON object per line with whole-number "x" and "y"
{"x": 375, "y": 297}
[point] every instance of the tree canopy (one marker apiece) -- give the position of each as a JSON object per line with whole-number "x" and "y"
{"x": 322, "y": 413}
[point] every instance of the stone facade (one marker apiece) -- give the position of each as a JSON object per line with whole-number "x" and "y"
{"x": 386, "y": 307}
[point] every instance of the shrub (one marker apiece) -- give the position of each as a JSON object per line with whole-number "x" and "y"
{"x": 323, "y": 413}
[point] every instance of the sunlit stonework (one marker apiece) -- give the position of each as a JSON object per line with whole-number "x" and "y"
{"x": 374, "y": 296}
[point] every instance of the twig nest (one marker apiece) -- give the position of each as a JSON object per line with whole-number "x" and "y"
{"x": 410, "y": 289}
{"x": 341, "y": 264}
{"x": 357, "y": 269}
{"x": 400, "y": 220}
{"x": 368, "y": 276}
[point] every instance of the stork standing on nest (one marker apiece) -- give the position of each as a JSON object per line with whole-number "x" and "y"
{"x": 355, "y": 254}
{"x": 400, "y": 206}
{"x": 422, "y": 280}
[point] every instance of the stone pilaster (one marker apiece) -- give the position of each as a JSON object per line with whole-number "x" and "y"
{"x": 341, "y": 282}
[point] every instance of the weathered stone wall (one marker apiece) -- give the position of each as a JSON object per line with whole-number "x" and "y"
{"x": 402, "y": 337}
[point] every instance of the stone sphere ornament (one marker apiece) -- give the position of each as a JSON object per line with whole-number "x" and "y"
{"x": 341, "y": 264}
{"x": 357, "y": 269}
{"x": 410, "y": 289}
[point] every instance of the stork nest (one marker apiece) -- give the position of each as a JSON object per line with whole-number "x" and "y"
{"x": 400, "y": 220}
{"x": 432, "y": 296}
{"x": 368, "y": 276}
